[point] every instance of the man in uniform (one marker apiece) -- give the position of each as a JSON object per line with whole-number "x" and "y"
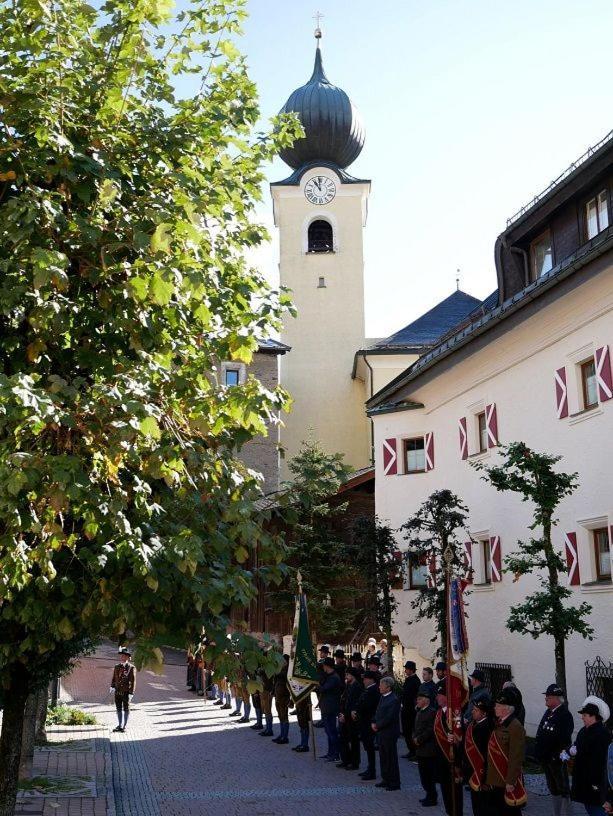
{"x": 266, "y": 695}
{"x": 367, "y": 705}
{"x": 409, "y": 700}
{"x": 282, "y": 701}
{"x": 340, "y": 664}
{"x": 479, "y": 693}
{"x": 505, "y": 756}
{"x": 476, "y": 740}
{"x": 554, "y": 735}
{"x": 425, "y": 745}
{"x": 448, "y": 769}
{"x": 349, "y": 732}
{"x": 123, "y": 685}
{"x": 386, "y": 726}
{"x": 330, "y": 689}
{"x": 357, "y": 663}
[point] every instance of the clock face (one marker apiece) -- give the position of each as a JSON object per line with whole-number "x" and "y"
{"x": 320, "y": 190}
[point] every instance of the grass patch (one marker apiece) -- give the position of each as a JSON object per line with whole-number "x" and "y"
{"x": 65, "y": 715}
{"x": 44, "y": 784}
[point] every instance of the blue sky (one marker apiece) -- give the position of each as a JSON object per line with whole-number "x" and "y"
{"x": 470, "y": 109}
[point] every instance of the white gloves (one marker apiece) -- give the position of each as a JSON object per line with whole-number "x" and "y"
{"x": 573, "y": 750}
{"x": 130, "y": 697}
{"x": 111, "y": 690}
{"x": 564, "y": 756}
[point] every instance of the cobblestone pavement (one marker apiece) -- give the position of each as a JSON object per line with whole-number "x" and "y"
{"x": 183, "y": 757}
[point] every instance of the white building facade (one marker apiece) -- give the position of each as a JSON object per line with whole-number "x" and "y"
{"x": 532, "y": 365}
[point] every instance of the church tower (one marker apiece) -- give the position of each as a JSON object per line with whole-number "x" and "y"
{"x": 320, "y": 211}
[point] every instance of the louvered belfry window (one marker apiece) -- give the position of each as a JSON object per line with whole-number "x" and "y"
{"x": 321, "y": 236}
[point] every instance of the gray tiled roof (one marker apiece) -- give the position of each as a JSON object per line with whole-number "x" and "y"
{"x": 270, "y": 346}
{"x": 427, "y": 329}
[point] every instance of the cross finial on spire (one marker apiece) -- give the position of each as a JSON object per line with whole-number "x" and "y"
{"x": 457, "y": 280}
{"x": 318, "y": 18}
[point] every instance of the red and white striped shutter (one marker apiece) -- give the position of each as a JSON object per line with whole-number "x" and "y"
{"x": 390, "y": 457}
{"x": 429, "y": 449}
{"x": 463, "y": 438}
{"x": 431, "y": 579}
{"x": 468, "y": 562}
{"x": 491, "y": 425}
{"x": 604, "y": 379}
{"x": 572, "y": 559}
{"x": 496, "y": 556}
{"x": 561, "y": 393}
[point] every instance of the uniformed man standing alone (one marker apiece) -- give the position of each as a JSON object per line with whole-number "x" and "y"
{"x": 554, "y": 735}
{"x": 123, "y": 685}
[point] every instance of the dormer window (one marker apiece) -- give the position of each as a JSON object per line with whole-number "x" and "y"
{"x": 597, "y": 214}
{"x": 320, "y": 237}
{"x": 541, "y": 255}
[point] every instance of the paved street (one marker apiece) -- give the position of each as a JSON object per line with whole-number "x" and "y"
{"x": 183, "y": 757}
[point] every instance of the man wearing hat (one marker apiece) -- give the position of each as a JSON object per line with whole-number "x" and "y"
{"x": 340, "y": 663}
{"x": 324, "y": 651}
{"x": 447, "y": 759}
{"x": 590, "y": 751}
{"x": 367, "y": 706}
{"x": 554, "y": 735}
{"x": 374, "y": 664}
{"x": 408, "y": 700}
{"x": 425, "y": 745}
{"x": 330, "y": 688}
{"x": 123, "y": 685}
{"x": 476, "y": 740}
{"x": 348, "y": 727}
{"x": 357, "y": 663}
{"x": 386, "y": 726}
{"x": 478, "y": 693}
{"x": 505, "y": 755}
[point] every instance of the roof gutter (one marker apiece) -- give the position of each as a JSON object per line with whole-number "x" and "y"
{"x": 497, "y": 315}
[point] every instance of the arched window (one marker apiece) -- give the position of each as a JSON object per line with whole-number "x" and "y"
{"x": 320, "y": 236}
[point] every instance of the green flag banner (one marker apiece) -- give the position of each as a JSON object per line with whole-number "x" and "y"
{"x": 302, "y": 672}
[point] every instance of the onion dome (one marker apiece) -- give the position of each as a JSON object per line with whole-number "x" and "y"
{"x": 333, "y": 127}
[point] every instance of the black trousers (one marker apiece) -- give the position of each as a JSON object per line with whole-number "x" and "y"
{"x": 350, "y": 744}
{"x": 388, "y": 757}
{"x": 368, "y": 741}
{"x": 481, "y": 803}
{"x": 556, "y": 776}
{"x": 407, "y": 719}
{"x": 498, "y": 807}
{"x": 449, "y": 790}
{"x": 122, "y": 702}
{"x": 427, "y": 776}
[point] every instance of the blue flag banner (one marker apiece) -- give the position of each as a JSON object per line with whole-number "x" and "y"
{"x": 457, "y": 621}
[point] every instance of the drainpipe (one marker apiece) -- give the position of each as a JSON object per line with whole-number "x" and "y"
{"x": 524, "y": 254}
{"x": 372, "y": 426}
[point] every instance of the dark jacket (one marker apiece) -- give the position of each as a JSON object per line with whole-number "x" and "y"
{"x": 350, "y": 698}
{"x": 423, "y": 732}
{"x": 590, "y": 771}
{"x": 330, "y": 688}
{"x": 367, "y": 705}
{"x": 430, "y": 687}
{"x": 409, "y": 692}
{"x": 554, "y": 734}
{"x": 481, "y": 733}
{"x": 124, "y": 678}
{"x": 387, "y": 717}
{"x": 341, "y": 669}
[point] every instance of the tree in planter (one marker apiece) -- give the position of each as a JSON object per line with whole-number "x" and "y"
{"x": 375, "y": 556}
{"x": 429, "y": 532}
{"x": 533, "y": 477}
{"x": 316, "y": 546}
{"x": 125, "y": 215}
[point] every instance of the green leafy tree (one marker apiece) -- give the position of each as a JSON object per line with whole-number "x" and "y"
{"x": 316, "y": 544}
{"x": 532, "y": 476}
{"x": 375, "y": 557}
{"x": 126, "y": 212}
{"x": 429, "y": 532}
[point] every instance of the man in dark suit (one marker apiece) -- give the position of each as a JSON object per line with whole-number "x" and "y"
{"x": 367, "y": 705}
{"x": 554, "y": 735}
{"x": 409, "y": 699}
{"x": 330, "y": 688}
{"x": 387, "y": 728}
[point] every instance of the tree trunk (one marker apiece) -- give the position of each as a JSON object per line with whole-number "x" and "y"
{"x": 10, "y": 740}
{"x": 28, "y": 736}
{"x": 41, "y": 716}
{"x": 560, "y": 657}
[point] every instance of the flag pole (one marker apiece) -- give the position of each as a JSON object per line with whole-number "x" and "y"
{"x": 448, "y": 557}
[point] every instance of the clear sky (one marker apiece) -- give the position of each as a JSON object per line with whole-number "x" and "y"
{"x": 470, "y": 108}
